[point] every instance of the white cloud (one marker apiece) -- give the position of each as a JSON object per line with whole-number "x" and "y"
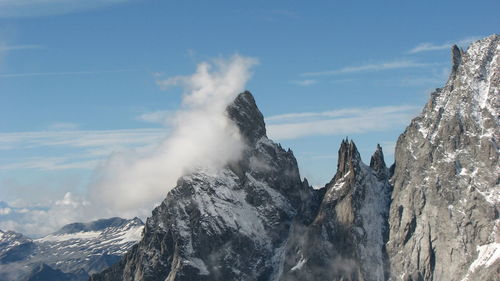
{"x": 53, "y": 163}
{"x": 6, "y": 48}
{"x": 31, "y": 8}
{"x": 161, "y": 117}
{"x": 36, "y": 222}
{"x": 307, "y": 82}
{"x": 202, "y": 137}
{"x": 5, "y": 211}
{"x": 338, "y": 122}
{"x": 76, "y": 149}
{"x": 397, "y": 64}
{"x": 63, "y": 126}
{"x": 64, "y": 73}
{"x": 427, "y": 47}
{"x": 80, "y": 138}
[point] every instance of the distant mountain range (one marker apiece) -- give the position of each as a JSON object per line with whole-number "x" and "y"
{"x": 432, "y": 215}
{"x": 72, "y": 253}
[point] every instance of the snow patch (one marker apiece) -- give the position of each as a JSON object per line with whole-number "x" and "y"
{"x": 64, "y": 237}
{"x": 299, "y": 265}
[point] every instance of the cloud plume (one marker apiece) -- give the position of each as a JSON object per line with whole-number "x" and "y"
{"x": 201, "y": 136}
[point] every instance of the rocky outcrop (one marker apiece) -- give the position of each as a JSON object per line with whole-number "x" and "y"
{"x": 346, "y": 240}
{"x": 444, "y": 215}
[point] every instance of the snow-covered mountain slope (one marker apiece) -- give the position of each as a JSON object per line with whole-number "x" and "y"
{"x": 14, "y": 246}
{"x": 232, "y": 225}
{"x": 444, "y": 216}
{"x": 346, "y": 240}
{"x": 72, "y": 253}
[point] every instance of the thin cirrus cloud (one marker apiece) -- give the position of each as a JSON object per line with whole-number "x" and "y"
{"x": 79, "y": 138}
{"x": 304, "y": 83}
{"x": 428, "y": 47}
{"x": 339, "y": 122}
{"x": 34, "y": 8}
{"x": 71, "y": 148}
{"x": 397, "y": 64}
{"x": 64, "y": 73}
{"x": 7, "y": 48}
{"x": 159, "y": 117}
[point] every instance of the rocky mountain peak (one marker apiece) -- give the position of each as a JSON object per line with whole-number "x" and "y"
{"x": 444, "y": 214}
{"x": 348, "y": 159}
{"x": 97, "y": 225}
{"x": 377, "y": 163}
{"x": 456, "y": 57}
{"x": 247, "y": 116}
{"x": 72, "y": 253}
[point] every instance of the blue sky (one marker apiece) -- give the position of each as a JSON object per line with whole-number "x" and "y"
{"x": 78, "y": 79}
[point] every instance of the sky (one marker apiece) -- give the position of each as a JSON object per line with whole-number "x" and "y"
{"x": 86, "y": 85}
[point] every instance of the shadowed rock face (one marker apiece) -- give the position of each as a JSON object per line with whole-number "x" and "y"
{"x": 446, "y": 179}
{"x": 433, "y": 216}
{"x": 346, "y": 239}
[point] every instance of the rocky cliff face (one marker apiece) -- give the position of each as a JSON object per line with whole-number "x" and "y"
{"x": 346, "y": 240}
{"x": 444, "y": 215}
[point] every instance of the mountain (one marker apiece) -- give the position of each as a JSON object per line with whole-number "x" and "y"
{"x": 72, "y": 253}
{"x": 432, "y": 216}
{"x": 14, "y": 247}
{"x": 346, "y": 240}
{"x": 256, "y": 219}
{"x": 232, "y": 225}
{"x": 444, "y": 215}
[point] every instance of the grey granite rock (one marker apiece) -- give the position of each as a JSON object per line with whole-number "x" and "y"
{"x": 444, "y": 215}
{"x": 346, "y": 240}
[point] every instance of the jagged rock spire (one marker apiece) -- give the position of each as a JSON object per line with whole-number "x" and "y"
{"x": 456, "y": 58}
{"x": 348, "y": 158}
{"x": 247, "y": 116}
{"x": 377, "y": 163}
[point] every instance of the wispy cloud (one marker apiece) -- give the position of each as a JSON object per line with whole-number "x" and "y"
{"x": 53, "y": 163}
{"x": 339, "y": 122}
{"x": 33, "y": 8}
{"x": 397, "y": 64}
{"x": 304, "y": 83}
{"x": 434, "y": 78}
{"x": 427, "y": 47}
{"x": 63, "y": 126}
{"x": 75, "y": 149}
{"x": 7, "y": 48}
{"x": 160, "y": 117}
{"x": 80, "y": 138}
{"x": 64, "y": 73}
